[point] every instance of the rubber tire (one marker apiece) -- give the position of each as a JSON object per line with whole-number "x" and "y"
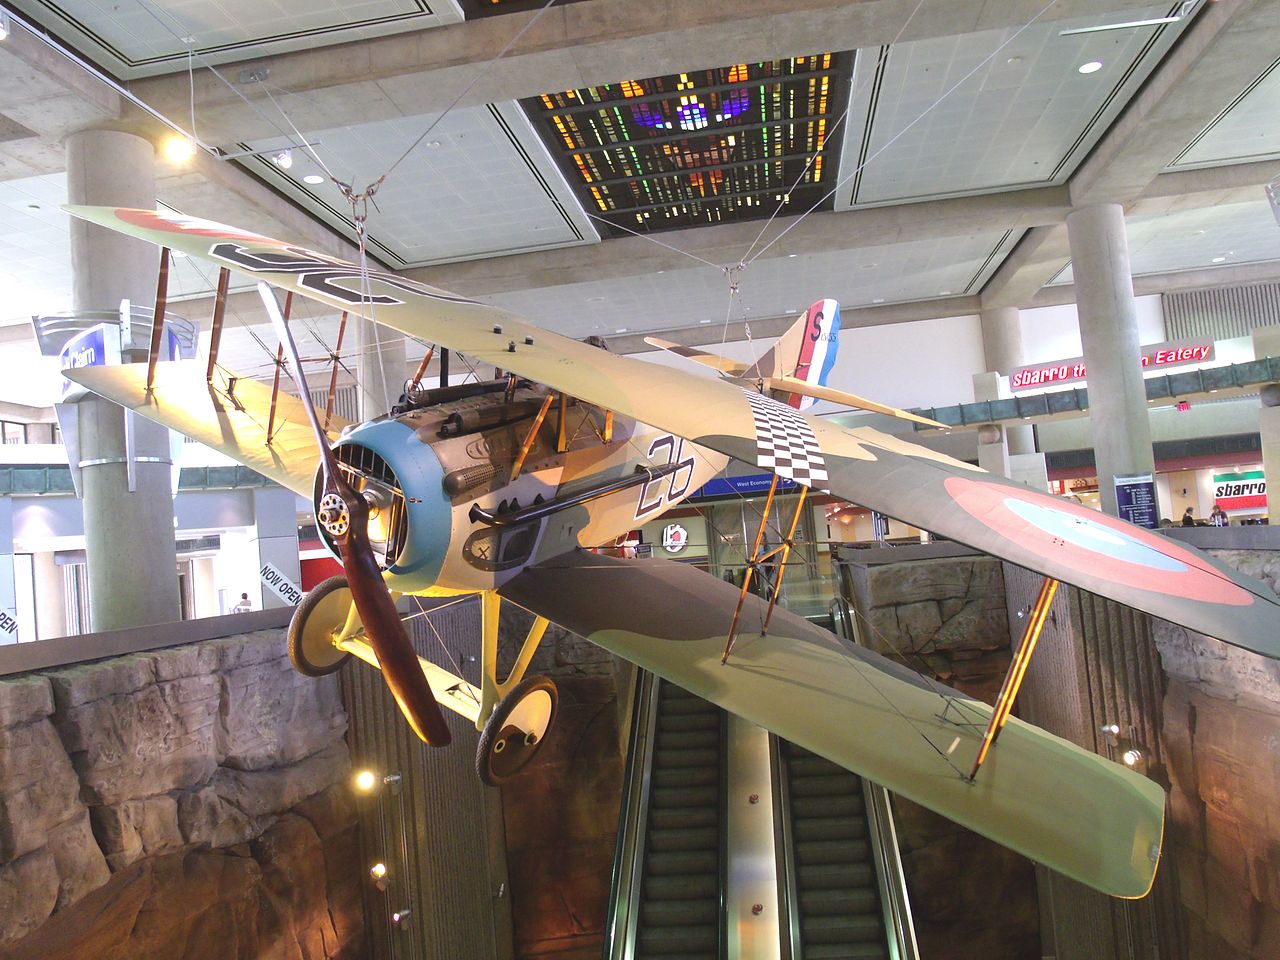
{"x": 305, "y": 639}
{"x": 496, "y": 730}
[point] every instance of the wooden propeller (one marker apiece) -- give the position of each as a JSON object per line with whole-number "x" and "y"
{"x": 378, "y": 614}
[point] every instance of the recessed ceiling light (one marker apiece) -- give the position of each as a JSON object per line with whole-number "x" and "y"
{"x": 1014, "y": 60}
{"x": 792, "y": 256}
{"x": 595, "y": 299}
{"x": 1218, "y": 260}
{"x": 313, "y": 178}
{"x": 878, "y": 300}
{"x": 621, "y": 330}
{"x": 1093, "y": 66}
{"x": 945, "y": 293}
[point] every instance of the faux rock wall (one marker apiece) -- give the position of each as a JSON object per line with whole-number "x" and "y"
{"x": 183, "y": 803}
{"x": 562, "y": 813}
{"x": 1222, "y": 741}
{"x": 946, "y": 618}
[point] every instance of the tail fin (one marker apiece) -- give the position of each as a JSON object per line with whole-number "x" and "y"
{"x": 807, "y": 351}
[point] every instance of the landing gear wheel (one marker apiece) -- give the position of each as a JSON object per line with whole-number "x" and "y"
{"x": 515, "y": 730}
{"x": 320, "y": 615}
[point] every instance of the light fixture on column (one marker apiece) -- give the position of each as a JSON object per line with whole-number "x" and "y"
{"x": 378, "y": 873}
{"x": 177, "y": 148}
{"x": 367, "y": 781}
{"x": 1125, "y": 748}
{"x": 4, "y": 25}
{"x": 1273, "y": 196}
{"x": 283, "y": 158}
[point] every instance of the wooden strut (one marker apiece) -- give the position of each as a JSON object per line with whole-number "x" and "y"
{"x": 782, "y": 564}
{"x": 532, "y": 435}
{"x": 219, "y": 311}
{"x": 275, "y": 386}
{"x": 422, "y": 369}
{"x": 1017, "y": 671}
{"x": 751, "y": 567}
{"x": 157, "y": 320}
{"x": 333, "y": 373}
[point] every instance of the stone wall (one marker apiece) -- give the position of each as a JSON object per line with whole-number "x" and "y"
{"x": 189, "y": 802}
{"x": 946, "y": 618}
{"x": 561, "y": 814}
{"x": 1222, "y": 742}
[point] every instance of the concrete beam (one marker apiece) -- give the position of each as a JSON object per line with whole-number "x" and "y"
{"x": 1227, "y": 47}
{"x": 576, "y": 45}
{"x": 1035, "y": 259}
{"x": 1157, "y": 283}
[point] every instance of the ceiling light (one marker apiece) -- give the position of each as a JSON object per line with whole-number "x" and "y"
{"x": 792, "y": 256}
{"x": 283, "y": 159}
{"x": 313, "y": 178}
{"x": 4, "y": 24}
{"x": 1093, "y": 66}
{"x": 178, "y": 149}
{"x": 1218, "y": 260}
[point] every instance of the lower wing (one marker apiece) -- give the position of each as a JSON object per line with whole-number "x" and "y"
{"x": 230, "y": 415}
{"x": 1082, "y": 815}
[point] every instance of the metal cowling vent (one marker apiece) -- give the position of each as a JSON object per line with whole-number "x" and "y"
{"x": 371, "y": 476}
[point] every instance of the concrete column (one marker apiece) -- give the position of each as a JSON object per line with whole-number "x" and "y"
{"x": 8, "y": 593}
{"x": 1269, "y": 430}
{"x": 51, "y": 601}
{"x": 128, "y": 534}
{"x": 1109, "y": 334}
{"x": 380, "y": 367}
{"x": 1002, "y": 345}
{"x": 275, "y": 538}
{"x": 993, "y": 452}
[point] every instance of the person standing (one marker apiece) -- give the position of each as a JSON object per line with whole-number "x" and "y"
{"x": 1187, "y": 519}
{"x": 1218, "y": 517}
{"x": 242, "y": 605}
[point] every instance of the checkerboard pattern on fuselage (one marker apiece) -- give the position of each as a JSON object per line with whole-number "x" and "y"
{"x": 785, "y": 443}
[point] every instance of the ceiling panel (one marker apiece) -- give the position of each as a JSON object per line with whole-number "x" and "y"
{"x": 136, "y": 38}
{"x": 984, "y": 111}
{"x": 1230, "y": 233}
{"x": 480, "y": 185}
{"x": 918, "y": 270}
{"x": 1248, "y": 129}
{"x": 710, "y": 146}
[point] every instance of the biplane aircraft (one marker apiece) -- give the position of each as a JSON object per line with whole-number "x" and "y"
{"x": 496, "y": 489}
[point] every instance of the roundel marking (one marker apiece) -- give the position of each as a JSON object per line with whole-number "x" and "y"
{"x": 1093, "y": 544}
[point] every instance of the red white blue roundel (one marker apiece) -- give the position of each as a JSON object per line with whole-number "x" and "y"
{"x": 1094, "y": 544}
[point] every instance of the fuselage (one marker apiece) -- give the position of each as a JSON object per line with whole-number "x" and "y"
{"x": 425, "y": 468}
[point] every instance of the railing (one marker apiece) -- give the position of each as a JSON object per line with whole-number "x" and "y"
{"x": 881, "y": 832}
{"x": 628, "y": 858}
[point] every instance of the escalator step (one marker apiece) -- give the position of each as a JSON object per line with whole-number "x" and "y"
{"x": 828, "y": 876}
{"x": 673, "y": 708}
{"x": 688, "y": 838}
{"x": 846, "y": 929}
{"x": 664, "y": 941}
{"x": 812, "y": 766}
{"x": 687, "y": 722}
{"x": 835, "y": 805}
{"x": 665, "y": 759}
{"x": 680, "y": 817}
{"x": 814, "y": 852}
{"x": 829, "y": 828}
{"x": 680, "y": 797}
{"x": 843, "y": 951}
{"x": 682, "y": 863}
{"x": 672, "y": 912}
{"x": 690, "y": 740}
{"x": 839, "y": 900}
{"x": 686, "y": 776}
{"x": 693, "y": 886}
{"x": 824, "y": 786}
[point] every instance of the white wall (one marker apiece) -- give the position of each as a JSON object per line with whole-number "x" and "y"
{"x": 1053, "y": 333}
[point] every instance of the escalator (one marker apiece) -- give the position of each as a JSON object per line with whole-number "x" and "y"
{"x": 836, "y": 910}
{"x": 687, "y": 870}
{"x": 680, "y": 892}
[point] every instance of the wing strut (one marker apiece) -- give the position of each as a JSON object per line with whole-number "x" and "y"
{"x": 275, "y": 386}
{"x": 1017, "y": 670}
{"x": 752, "y": 563}
{"x": 219, "y": 311}
{"x": 157, "y": 323}
{"x": 785, "y": 550}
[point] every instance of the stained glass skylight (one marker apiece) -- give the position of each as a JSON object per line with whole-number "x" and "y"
{"x": 704, "y": 147}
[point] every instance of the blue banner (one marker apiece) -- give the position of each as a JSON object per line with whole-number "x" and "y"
{"x": 754, "y": 484}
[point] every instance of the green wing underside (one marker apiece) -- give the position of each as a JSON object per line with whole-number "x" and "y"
{"x": 1081, "y": 815}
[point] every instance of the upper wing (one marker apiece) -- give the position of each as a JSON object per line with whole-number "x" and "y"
{"x": 1062, "y": 806}
{"x": 233, "y": 421}
{"x": 897, "y": 478}
{"x": 716, "y": 362}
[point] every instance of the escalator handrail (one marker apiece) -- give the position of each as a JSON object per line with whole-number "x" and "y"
{"x": 624, "y": 895}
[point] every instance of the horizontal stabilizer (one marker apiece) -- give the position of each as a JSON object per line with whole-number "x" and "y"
{"x": 716, "y": 362}
{"x": 1072, "y": 810}
{"x": 230, "y": 415}
{"x": 819, "y": 392}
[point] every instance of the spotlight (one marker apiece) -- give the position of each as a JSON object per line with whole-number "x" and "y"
{"x": 400, "y": 916}
{"x": 4, "y": 24}
{"x": 366, "y": 780}
{"x": 378, "y": 871}
{"x": 1131, "y": 757}
{"x": 178, "y": 149}
{"x": 283, "y": 159}
{"x": 1111, "y": 729}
